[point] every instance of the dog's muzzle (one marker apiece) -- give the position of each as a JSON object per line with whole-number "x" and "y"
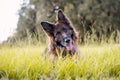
{"x": 68, "y": 43}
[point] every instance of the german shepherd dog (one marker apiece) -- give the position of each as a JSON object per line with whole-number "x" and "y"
{"x": 62, "y": 36}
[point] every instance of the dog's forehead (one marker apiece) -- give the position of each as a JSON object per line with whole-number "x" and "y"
{"x": 61, "y": 26}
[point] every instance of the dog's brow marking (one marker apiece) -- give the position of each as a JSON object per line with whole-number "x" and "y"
{"x": 64, "y": 35}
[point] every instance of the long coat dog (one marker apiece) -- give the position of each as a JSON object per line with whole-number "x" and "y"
{"x": 62, "y": 36}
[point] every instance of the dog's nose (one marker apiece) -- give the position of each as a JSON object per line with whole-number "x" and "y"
{"x": 68, "y": 40}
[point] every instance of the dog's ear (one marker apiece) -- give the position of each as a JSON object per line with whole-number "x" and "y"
{"x": 48, "y": 28}
{"x": 61, "y": 17}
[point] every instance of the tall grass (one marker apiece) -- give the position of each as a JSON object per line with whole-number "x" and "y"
{"x": 25, "y": 60}
{"x": 28, "y": 63}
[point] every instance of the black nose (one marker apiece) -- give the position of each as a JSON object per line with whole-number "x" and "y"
{"x": 68, "y": 40}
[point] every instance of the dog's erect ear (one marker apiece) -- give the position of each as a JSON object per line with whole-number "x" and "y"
{"x": 48, "y": 28}
{"x": 61, "y": 17}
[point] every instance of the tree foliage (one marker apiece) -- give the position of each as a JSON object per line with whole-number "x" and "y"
{"x": 101, "y": 17}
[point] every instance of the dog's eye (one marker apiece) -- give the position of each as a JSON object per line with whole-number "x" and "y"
{"x": 71, "y": 35}
{"x": 57, "y": 33}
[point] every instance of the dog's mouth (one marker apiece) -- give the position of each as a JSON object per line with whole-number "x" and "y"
{"x": 67, "y": 43}
{"x": 69, "y": 46}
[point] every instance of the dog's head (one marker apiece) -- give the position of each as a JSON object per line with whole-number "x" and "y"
{"x": 61, "y": 32}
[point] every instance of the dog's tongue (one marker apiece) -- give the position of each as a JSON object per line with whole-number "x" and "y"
{"x": 69, "y": 47}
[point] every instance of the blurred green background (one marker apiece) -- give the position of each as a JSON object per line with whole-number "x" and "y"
{"x": 94, "y": 20}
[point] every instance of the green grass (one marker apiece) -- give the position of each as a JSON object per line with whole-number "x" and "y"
{"x": 28, "y": 63}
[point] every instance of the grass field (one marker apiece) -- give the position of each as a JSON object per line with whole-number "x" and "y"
{"x": 28, "y": 63}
